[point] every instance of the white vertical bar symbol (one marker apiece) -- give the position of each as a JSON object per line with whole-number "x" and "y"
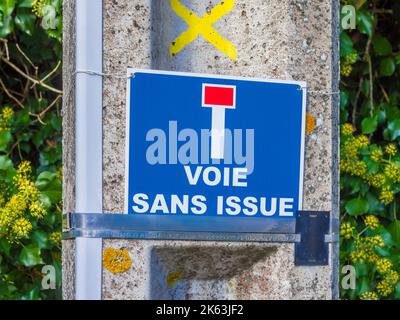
{"x": 217, "y": 132}
{"x": 223, "y": 97}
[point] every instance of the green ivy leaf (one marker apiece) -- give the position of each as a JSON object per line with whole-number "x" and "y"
{"x": 384, "y": 252}
{"x": 394, "y": 229}
{"x": 393, "y": 129}
{"x": 6, "y": 20}
{"x": 397, "y": 291}
{"x": 4, "y": 246}
{"x": 25, "y": 4}
{"x": 50, "y": 186}
{"x": 30, "y": 256}
{"x": 7, "y": 7}
{"x": 387, "y": 67}
{"x": 369, "y": 125}
{"x": 344, "y": 98}
{"x": 346, "y": 44}
{"x": 5, "y": 140}
{"x": 363, "y": 285}
{"x": 45, "y": 200}
{"x": 375, "y": 206}
{"x": 357, "y": 206}
{"x": 25, "y": 22}
{"x": 397, "y": 58}
{"x": 361, "y": 269}
{"x": 381, "y": 46}
{"x": 6, "y": 26}
{"x": 44, "y": 179}
{"x": 40, "y": 239}
{"x": 386, "y": 236}
{"x": 32, "y": 294}
{"x": 365, "y": 22}
{"x": 7, "y": 170}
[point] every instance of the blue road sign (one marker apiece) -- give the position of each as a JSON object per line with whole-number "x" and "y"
{"x": 214, "y": 153}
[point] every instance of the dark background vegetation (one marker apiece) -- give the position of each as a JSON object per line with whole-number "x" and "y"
{"x": 30, "y": 84}
{"x": 370, "y": 174}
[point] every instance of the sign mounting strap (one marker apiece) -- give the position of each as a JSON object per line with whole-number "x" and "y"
{"x": 311, "y": 237}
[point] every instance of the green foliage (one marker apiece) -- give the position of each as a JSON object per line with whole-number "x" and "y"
{"x": 370, "y": 157}
{"x": 30, "y": 147}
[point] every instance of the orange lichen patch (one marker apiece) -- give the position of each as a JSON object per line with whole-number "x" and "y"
{"x": 310, "y": 122}
{"x": 116, "y": 260}
{"x": 173, "y": 278}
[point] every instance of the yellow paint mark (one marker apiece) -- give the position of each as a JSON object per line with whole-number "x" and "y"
{"x": 203, "y": 26}
{"x": 173, "y": 278}
{"x": 310, "y": 123}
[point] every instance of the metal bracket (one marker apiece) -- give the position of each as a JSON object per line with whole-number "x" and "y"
{"x": 313, "y": 249}
{"x": 310, "y": 232}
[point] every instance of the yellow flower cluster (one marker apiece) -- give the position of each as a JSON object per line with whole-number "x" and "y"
{"x": 368, "y": 295}
{"x": 355, "y": 168}
{"x": 391, "y": 149}
{"x": 55, "y": 237}
{"x": 36, "y": 209}
{"x": 116, "y": 260}
{"x": 9, "y": 214}
{"x": 376, "y": 180}
{"x": 346, "y": 230}
{"x": 359, "y": 169}
{"x": 363, "y": 256}
{"x": 346, "y": 70}
{"x": 353, "y": 146}
{"x": 21, "y": 227}
{"x": 386, "y": 196}
{"x": 392, "y": 277}
{"x": 6, "y": 118}
{"x": 351, "y": 58}
{"x": 387, "y": 285}
{"x": 2, "y": 200}
{"x": 15, "y": 221}
{"x": 372, "y": 222}
{"x": 375, "y": 241}
{"x": 347, "y": 129}
{"x": 365, "y": 249}
{"x": 383, "y": 265}
{"x": 60, "y": 173}
{"x": 393, "y": 172}
{"x": 377, "y": 155}
{"x": 384, "y": 288}
{"x": 38, "y": 6}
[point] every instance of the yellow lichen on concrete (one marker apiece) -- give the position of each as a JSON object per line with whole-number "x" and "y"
{"x": 116, "y": 260}
{"x": 310, "y": 122}
{"x": 173, "y": 278}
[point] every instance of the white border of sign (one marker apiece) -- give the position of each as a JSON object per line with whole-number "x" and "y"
{"x": 132, "y": 71}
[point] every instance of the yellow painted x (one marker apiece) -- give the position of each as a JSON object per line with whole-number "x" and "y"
{"x": 203, "y": 26}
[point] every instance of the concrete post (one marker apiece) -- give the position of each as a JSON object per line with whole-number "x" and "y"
{"x": 282, "y": 39}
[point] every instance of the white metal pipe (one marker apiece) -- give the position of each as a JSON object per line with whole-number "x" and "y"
{"x": 88, "y": 142}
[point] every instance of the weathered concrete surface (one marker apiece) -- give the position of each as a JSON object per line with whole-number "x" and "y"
{"x": 274, "y": 39}
{"x": 68, "y": 251}
{"x": 283, "y": 39}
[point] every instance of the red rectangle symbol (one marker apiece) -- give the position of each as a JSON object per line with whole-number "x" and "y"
{"x": 219, "y": 96}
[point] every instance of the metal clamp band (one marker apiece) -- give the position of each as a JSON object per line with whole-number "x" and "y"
{"x": 309, "y": 231}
